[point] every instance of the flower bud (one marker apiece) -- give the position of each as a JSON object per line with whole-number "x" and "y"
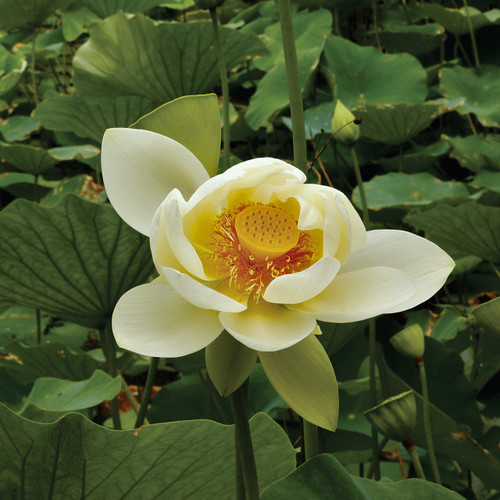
{"x": 410, "y": 341}
{"x": 208, "y": 4}
{"x": 396, "y": 417}
{"x": 345, "y": 127}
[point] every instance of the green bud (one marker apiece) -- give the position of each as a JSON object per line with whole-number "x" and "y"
{"x": 410, "y": 341}
{"x": 208, "y": 4}
{"x": 396, "y": 417}
{"x": 345, "y": 127}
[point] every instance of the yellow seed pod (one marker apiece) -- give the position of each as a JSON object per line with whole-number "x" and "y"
{"x": 345, "y": 127}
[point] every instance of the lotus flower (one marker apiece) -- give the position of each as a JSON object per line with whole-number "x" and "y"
{"x": 248, "y": 261}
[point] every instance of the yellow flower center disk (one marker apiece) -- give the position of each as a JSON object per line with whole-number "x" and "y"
{"x": 266, "y": 231}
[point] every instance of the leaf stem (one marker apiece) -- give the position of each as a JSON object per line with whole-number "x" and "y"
{"x": 372, "y": 347}
{"x": 243, "y": 441}
{"x": 109, "y": 346}
{"x": 472, "y": 36}
{"x": 412, "y": 450}
{"x": 294, "y": 90}
{"x": 32, "y": 71}
{"x": 38, "y": 327}
{"x": 146, "y": 396}
{"x": 311, "y": 439}
{"x": 427, "y": 420}
{"x": 361, "y": 187}
{"x": 226, "y": 133}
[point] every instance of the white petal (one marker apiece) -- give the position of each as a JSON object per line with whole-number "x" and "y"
{"x": 154, "y": 320}
{"x": 198, "y": 294}
{"x": 422, "y": 260}
{"x": 357, "y": 228}
{"x": 140, "y": 168}
{"x": 361, "y": 294}
{"x": 251, "y": 173}
{"x": 268, "y": 327}
{"x": 302, "y": 286}
{"x": 181, "y": 247}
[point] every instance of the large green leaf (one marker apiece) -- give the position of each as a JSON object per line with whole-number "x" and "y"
{"x": 475, "y": 151}
{"x": 90, "y": 119}
{"x": 479, "y": 88}
{"x": 18, "y": 127}
{"x": 364, "y": 75}
{"x": 456, "y": 20}
{"x": 399, "y": 190}
{"x": 324, "y": 477}
{"x": 29, "y": 159}
{"x": 16, "y": 14}
{"x": 396, "y": 123}
{"x": 74, "y": 260}
{"x": 470, "y": 228}
{"x": 156, "y": 61}
{"x": 414, "y": 39}
{"x": 26, "y": 364}
{"x": 57, "y": 394}
{"x": 74, "y": 458}
{"x": 11, "y": 68}
{"x": 311, "y": 30}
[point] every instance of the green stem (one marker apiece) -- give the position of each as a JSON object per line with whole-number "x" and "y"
{"x": 384, "y": 441}
{"x": 472, "y": 36}
{"x": 108, "y": 346}
{"x": 294, "y": 90}
{"x": 427, "y": 420}
{"x": 311, "y": 440}
{"x": 244, "y": 443}
{"x": 213, "y": 397}
{"x": 361, "y": 187}
{"x": 412, "y": 450}
{"x": 153, "y": 365}
{"x": 372, "y": 346}
{"x": 32, "y": 71}
{"x": 226, "y": 133}
{"x": 131, "y": 398}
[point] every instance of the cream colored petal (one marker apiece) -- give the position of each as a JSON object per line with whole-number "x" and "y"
{"x": 180, "y": 246}
{"x": 426, "y": 264}
{"x": 267, "y": 327}
{"x": 199, "y": 294}
{"x": 154, "y": 320}
{"x": 357, "y": 228}
{"x": 303, "y": 376}
{"x": 361, "y": 294}
{"x": 251, "y": 173}
{"x": 140, "y": 168}
{"x": 302, "y": 286}
{"x": 229, "y": 363}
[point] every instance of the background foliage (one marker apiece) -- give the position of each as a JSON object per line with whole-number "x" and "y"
{"x": 423, "y": 77}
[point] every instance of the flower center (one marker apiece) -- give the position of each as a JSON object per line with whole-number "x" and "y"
{"x": 255, "y": 244}
{"x": 266, "y": 232}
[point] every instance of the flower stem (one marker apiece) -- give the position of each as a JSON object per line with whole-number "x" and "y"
{"x": 427, "y": 420}
{"x": 226, "y": 133}
{"x": 243, "y": 441}
{"x": 311, "y": 439}
{"x": 146, "y": 396}
{"x": 32, "y": 71}
{"x": 412, "y": 450}
{"x": 38, "y": 327}
{"x": 361, "y": 187}
{"x": 294, "y": 91}
{"x": 380, "y": 447}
